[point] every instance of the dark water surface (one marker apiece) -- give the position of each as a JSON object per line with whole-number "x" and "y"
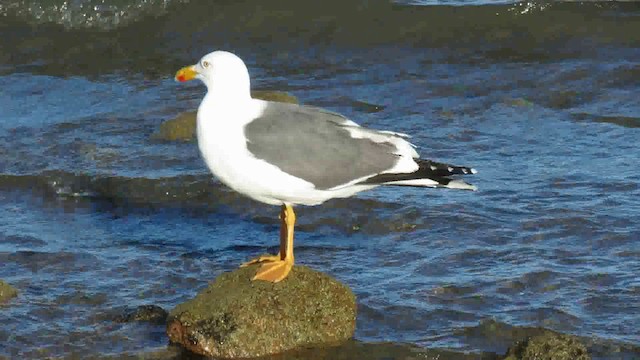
{"x": 97, "y": 217}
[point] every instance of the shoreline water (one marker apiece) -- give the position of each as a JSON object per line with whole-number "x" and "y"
{"x": 98, "y": 215}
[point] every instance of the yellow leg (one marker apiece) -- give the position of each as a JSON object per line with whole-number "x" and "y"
{"x": 276, "y": 268}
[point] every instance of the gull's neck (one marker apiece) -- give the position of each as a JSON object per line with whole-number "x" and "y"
{"x": 229, "y": 94}
{"x": 228, "y": 97}
{"x": 222, "y": 104}
{"x": 232, "y": 87}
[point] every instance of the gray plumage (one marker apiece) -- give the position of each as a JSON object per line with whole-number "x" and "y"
{"x": 315, "y": 145}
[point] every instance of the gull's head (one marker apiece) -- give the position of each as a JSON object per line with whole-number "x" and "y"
{"x": 222, "y": 72}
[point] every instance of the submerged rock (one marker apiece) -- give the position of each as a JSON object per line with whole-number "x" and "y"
{"x": 549, "y": 346}
{"x": 183, "y": 126}
{"x": 144, "y": 313}
{"x": 354, "y": 349}
{"x": 7, "y": 292}
{"x": 279, "y": 96}
{"x": 238, "y": 318}
{"x": 180, "y": 128}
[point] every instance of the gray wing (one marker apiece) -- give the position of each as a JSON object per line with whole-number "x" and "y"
{"x": 315, "y": 145}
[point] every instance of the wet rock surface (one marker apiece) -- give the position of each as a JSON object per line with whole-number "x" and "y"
{"x": 238, "y": 318}
{"x": 7, "y": 292}
{"x": 356, "y": 350}
{"x": 180, "y": 128}
{"x": 146, "y": 313}
{"x": 549, "y": 346}
{"x": 183, "y": 126}
{"x": 279, "y": 96}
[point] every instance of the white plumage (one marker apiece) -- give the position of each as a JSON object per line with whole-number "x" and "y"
{"x": 284, "y": 154}
{"x": 228, "y": 108}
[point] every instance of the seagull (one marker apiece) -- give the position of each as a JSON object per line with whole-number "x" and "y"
{"x": 288, "y": 154}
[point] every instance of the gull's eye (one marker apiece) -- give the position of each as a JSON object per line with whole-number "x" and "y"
{"x": 205, "y": 64}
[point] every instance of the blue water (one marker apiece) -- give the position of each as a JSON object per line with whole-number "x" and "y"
{"x": 98, "y": 216}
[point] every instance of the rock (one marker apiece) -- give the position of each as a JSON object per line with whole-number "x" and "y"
{"x": 145, "y": 313}
{"x": 183, "y": 126}
{"x": 279, "y": 96}
{"x": 180, "y": 128}
{"x": 7, "y": 292}
{"x": 367, "y": 107}
{"x": 354, "y": 349}
{"x": 549, "y": 346}
{"x": 238, "y": 318}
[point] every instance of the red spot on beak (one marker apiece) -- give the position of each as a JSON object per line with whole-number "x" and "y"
{"x": 186, "y": 73}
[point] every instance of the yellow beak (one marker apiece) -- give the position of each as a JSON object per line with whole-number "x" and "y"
{"x": 186, "y": 73}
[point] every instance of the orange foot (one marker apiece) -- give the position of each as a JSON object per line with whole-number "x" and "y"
{"x": 274, "y": 271}
{"x": 261, "y": 259}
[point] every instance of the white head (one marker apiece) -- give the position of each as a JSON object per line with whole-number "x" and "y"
{"x": 224, "y": 74}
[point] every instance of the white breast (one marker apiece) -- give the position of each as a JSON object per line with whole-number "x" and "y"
{"x": 222, "y": 144}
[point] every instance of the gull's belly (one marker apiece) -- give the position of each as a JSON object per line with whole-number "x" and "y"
{"x": 225, "y": 153}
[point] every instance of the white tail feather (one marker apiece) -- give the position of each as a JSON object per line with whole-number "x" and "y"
{"x": 453, "y": 184}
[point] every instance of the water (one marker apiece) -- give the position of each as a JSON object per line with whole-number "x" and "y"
{"x": 97, "y": 216}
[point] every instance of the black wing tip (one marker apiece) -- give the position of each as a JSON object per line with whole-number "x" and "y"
{"x": 442, "y": 169}
{"x": 438, "y": 173}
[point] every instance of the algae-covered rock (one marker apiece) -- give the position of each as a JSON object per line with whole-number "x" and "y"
{"x": 238, "y": 318}
{"x": 7, "y": 292}
{"x": 180, "y": 128}
{"x": 549, "y": 346}
{"x": 356, "y": 350}
{"x": 183, "y": 126}
{"x": 145, "y": 313}
{"x": 279, "y": 96}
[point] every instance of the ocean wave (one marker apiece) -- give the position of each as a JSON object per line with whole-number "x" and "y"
{"x": 199, "y": 194}
{"x": 85, "y": 13}
{"x": 155, "y": 39}
{"x": 108, "y": 15}
{"x": 65, "y": 185}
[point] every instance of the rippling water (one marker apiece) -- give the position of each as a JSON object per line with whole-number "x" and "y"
{"x": 97, "y": 216}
